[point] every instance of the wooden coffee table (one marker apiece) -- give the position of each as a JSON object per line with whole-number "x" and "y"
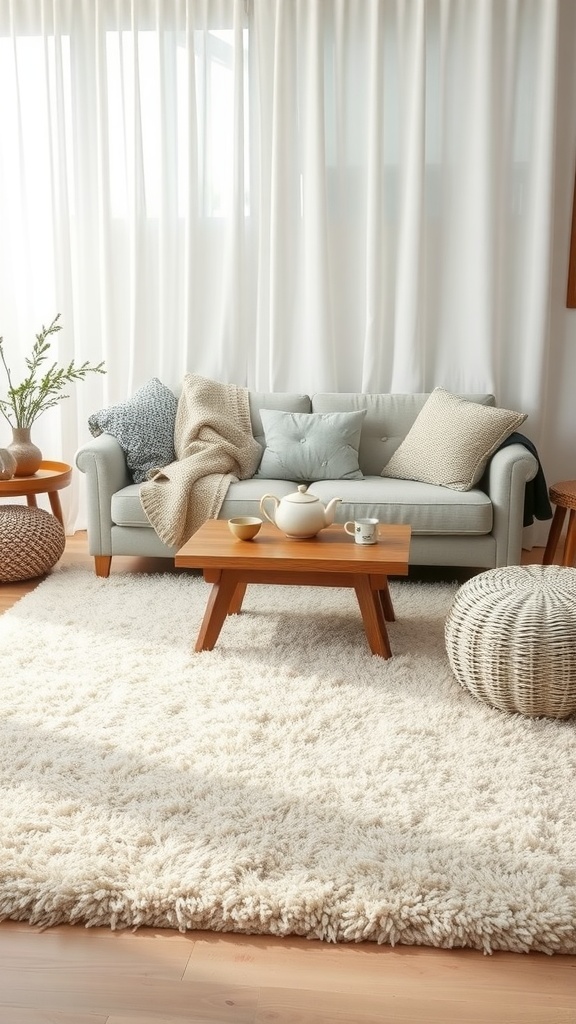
{"x": 331, "y": 559}
{"x": 50, "y": 478}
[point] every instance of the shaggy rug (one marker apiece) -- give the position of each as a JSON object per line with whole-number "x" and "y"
{"x": 287, "y": 782}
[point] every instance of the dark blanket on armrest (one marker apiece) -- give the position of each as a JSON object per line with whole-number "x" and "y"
{"x": 536, "y": 501}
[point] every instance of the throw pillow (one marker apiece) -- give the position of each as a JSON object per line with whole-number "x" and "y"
{"x": 451, "y": 441}
{"x": 307, "y": 446}
{"x": 143, "y": 426}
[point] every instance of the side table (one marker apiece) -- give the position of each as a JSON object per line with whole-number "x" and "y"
{"x": 49, "y": 479}
{"x": 563, "y": 495}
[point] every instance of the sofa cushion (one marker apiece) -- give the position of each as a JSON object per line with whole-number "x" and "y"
{"x": 243, "y": 496}
{"x": 311, "y": 446}
{"x": 427, "y": 508}
{"x": 242, "y": 499}
{"x": 126, "y": 508}
{"x": 286, "y": 401}
{"x": 389, "y": 417}
{"x": 451, "y": 441}
{"x": 143, "y": 426}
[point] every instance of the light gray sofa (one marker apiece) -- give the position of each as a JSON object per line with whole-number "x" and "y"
{"x": 479, "y": 528}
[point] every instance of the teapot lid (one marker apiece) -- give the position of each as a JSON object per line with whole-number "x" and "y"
{"x": 301, "y": 496}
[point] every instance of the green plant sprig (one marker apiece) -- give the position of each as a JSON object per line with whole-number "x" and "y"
{"x": 37, "y": 393}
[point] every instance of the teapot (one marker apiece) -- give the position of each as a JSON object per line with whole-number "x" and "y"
{"x": 299, "y": 514}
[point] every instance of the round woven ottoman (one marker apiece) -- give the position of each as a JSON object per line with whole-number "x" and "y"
{"x": 511, "y": 639}
{"x": 31, "y": 542}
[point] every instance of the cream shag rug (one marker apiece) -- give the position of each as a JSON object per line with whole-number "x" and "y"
{"x": 285, "y": 783}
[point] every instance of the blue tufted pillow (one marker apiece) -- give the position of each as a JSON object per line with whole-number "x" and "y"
{"x": 304, "y": 446}
{"x": 143, "y": 427}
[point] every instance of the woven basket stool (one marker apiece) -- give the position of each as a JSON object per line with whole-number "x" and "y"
{"x": 31, "y": 542}
{"x": 511, "y": 639}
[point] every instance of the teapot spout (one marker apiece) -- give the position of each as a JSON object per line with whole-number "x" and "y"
{"x": 330, "y": 510}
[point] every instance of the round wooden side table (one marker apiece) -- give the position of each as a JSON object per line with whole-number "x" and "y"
{"x": 49, "y": 479}
{"x": 563, "y": 495}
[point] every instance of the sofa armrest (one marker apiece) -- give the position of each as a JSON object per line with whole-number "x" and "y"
{"x": 103, "y": 461}
{"x": 505, "y": 479}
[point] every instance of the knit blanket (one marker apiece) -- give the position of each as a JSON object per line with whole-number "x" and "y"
{"x": 214, "y": 446}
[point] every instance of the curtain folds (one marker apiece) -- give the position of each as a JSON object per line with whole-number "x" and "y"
{"x": 340, "y": 195}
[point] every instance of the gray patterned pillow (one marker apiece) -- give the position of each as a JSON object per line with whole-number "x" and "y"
{"x": 451, "y": 441}
{"x": 143, "y": 426}
{"x": 308, "y": 446}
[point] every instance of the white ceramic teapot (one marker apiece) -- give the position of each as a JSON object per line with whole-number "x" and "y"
{"x": 299, "y": 514}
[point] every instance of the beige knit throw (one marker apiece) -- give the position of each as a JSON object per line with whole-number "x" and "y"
{"x": 214, "y": 445}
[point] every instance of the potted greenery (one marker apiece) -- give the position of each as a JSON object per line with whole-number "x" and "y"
{"x": 41, "y": 389}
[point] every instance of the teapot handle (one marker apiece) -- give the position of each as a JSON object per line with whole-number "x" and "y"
{"x": 263, "y": 507}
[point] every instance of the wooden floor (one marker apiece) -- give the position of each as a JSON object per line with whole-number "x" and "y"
{"x": 73, "y": 975}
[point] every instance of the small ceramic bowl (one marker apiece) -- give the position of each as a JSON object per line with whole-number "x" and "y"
{"x": 245, "y": 527}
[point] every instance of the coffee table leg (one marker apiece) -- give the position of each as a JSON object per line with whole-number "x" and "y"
{"x": 373, "y": 617}
{"x": 238, "y": 597}
{"x": 218, "y": 607}
{"x": 386, "y": 602}
{"x": 32, "y": 500}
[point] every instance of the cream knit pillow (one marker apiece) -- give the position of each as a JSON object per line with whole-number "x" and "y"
{"x": 451, "y": 441}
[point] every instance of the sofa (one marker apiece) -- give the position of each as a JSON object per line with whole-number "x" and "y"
{"x": 475, "y": 524}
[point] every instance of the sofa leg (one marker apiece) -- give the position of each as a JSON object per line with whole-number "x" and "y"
{"x": 102, "y": 564}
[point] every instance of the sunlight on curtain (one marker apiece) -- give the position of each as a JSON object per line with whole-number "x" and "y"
{"x": 422, "y": 135}
{"x": 339, "y": 195}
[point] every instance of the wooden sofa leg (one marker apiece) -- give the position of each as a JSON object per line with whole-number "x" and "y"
{"x": 102, "y": 564}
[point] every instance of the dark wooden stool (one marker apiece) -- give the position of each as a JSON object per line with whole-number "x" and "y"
{"x": 563, "y": 495}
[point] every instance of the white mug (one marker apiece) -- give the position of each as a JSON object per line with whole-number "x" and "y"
{"x": 364, "y": 531}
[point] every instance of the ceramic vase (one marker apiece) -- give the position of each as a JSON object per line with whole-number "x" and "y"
{"x": 7, "y": 464}
{"x": 28, "y": 456}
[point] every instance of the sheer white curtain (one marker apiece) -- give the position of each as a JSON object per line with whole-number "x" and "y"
{"x": 338, "y": 195}
{"x": 406, "y": 193}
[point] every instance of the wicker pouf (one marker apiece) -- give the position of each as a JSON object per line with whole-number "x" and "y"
{"x": 511, "y": 639}
{"x": 31, "y": 542}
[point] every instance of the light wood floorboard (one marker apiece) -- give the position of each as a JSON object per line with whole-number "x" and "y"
{"x": 74, "y": 975}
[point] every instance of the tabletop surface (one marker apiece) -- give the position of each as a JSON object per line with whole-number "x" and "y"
{"x": 214, "y": 546}
{"x": 564, "y": 493}
{"x": 50, "y": 476}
